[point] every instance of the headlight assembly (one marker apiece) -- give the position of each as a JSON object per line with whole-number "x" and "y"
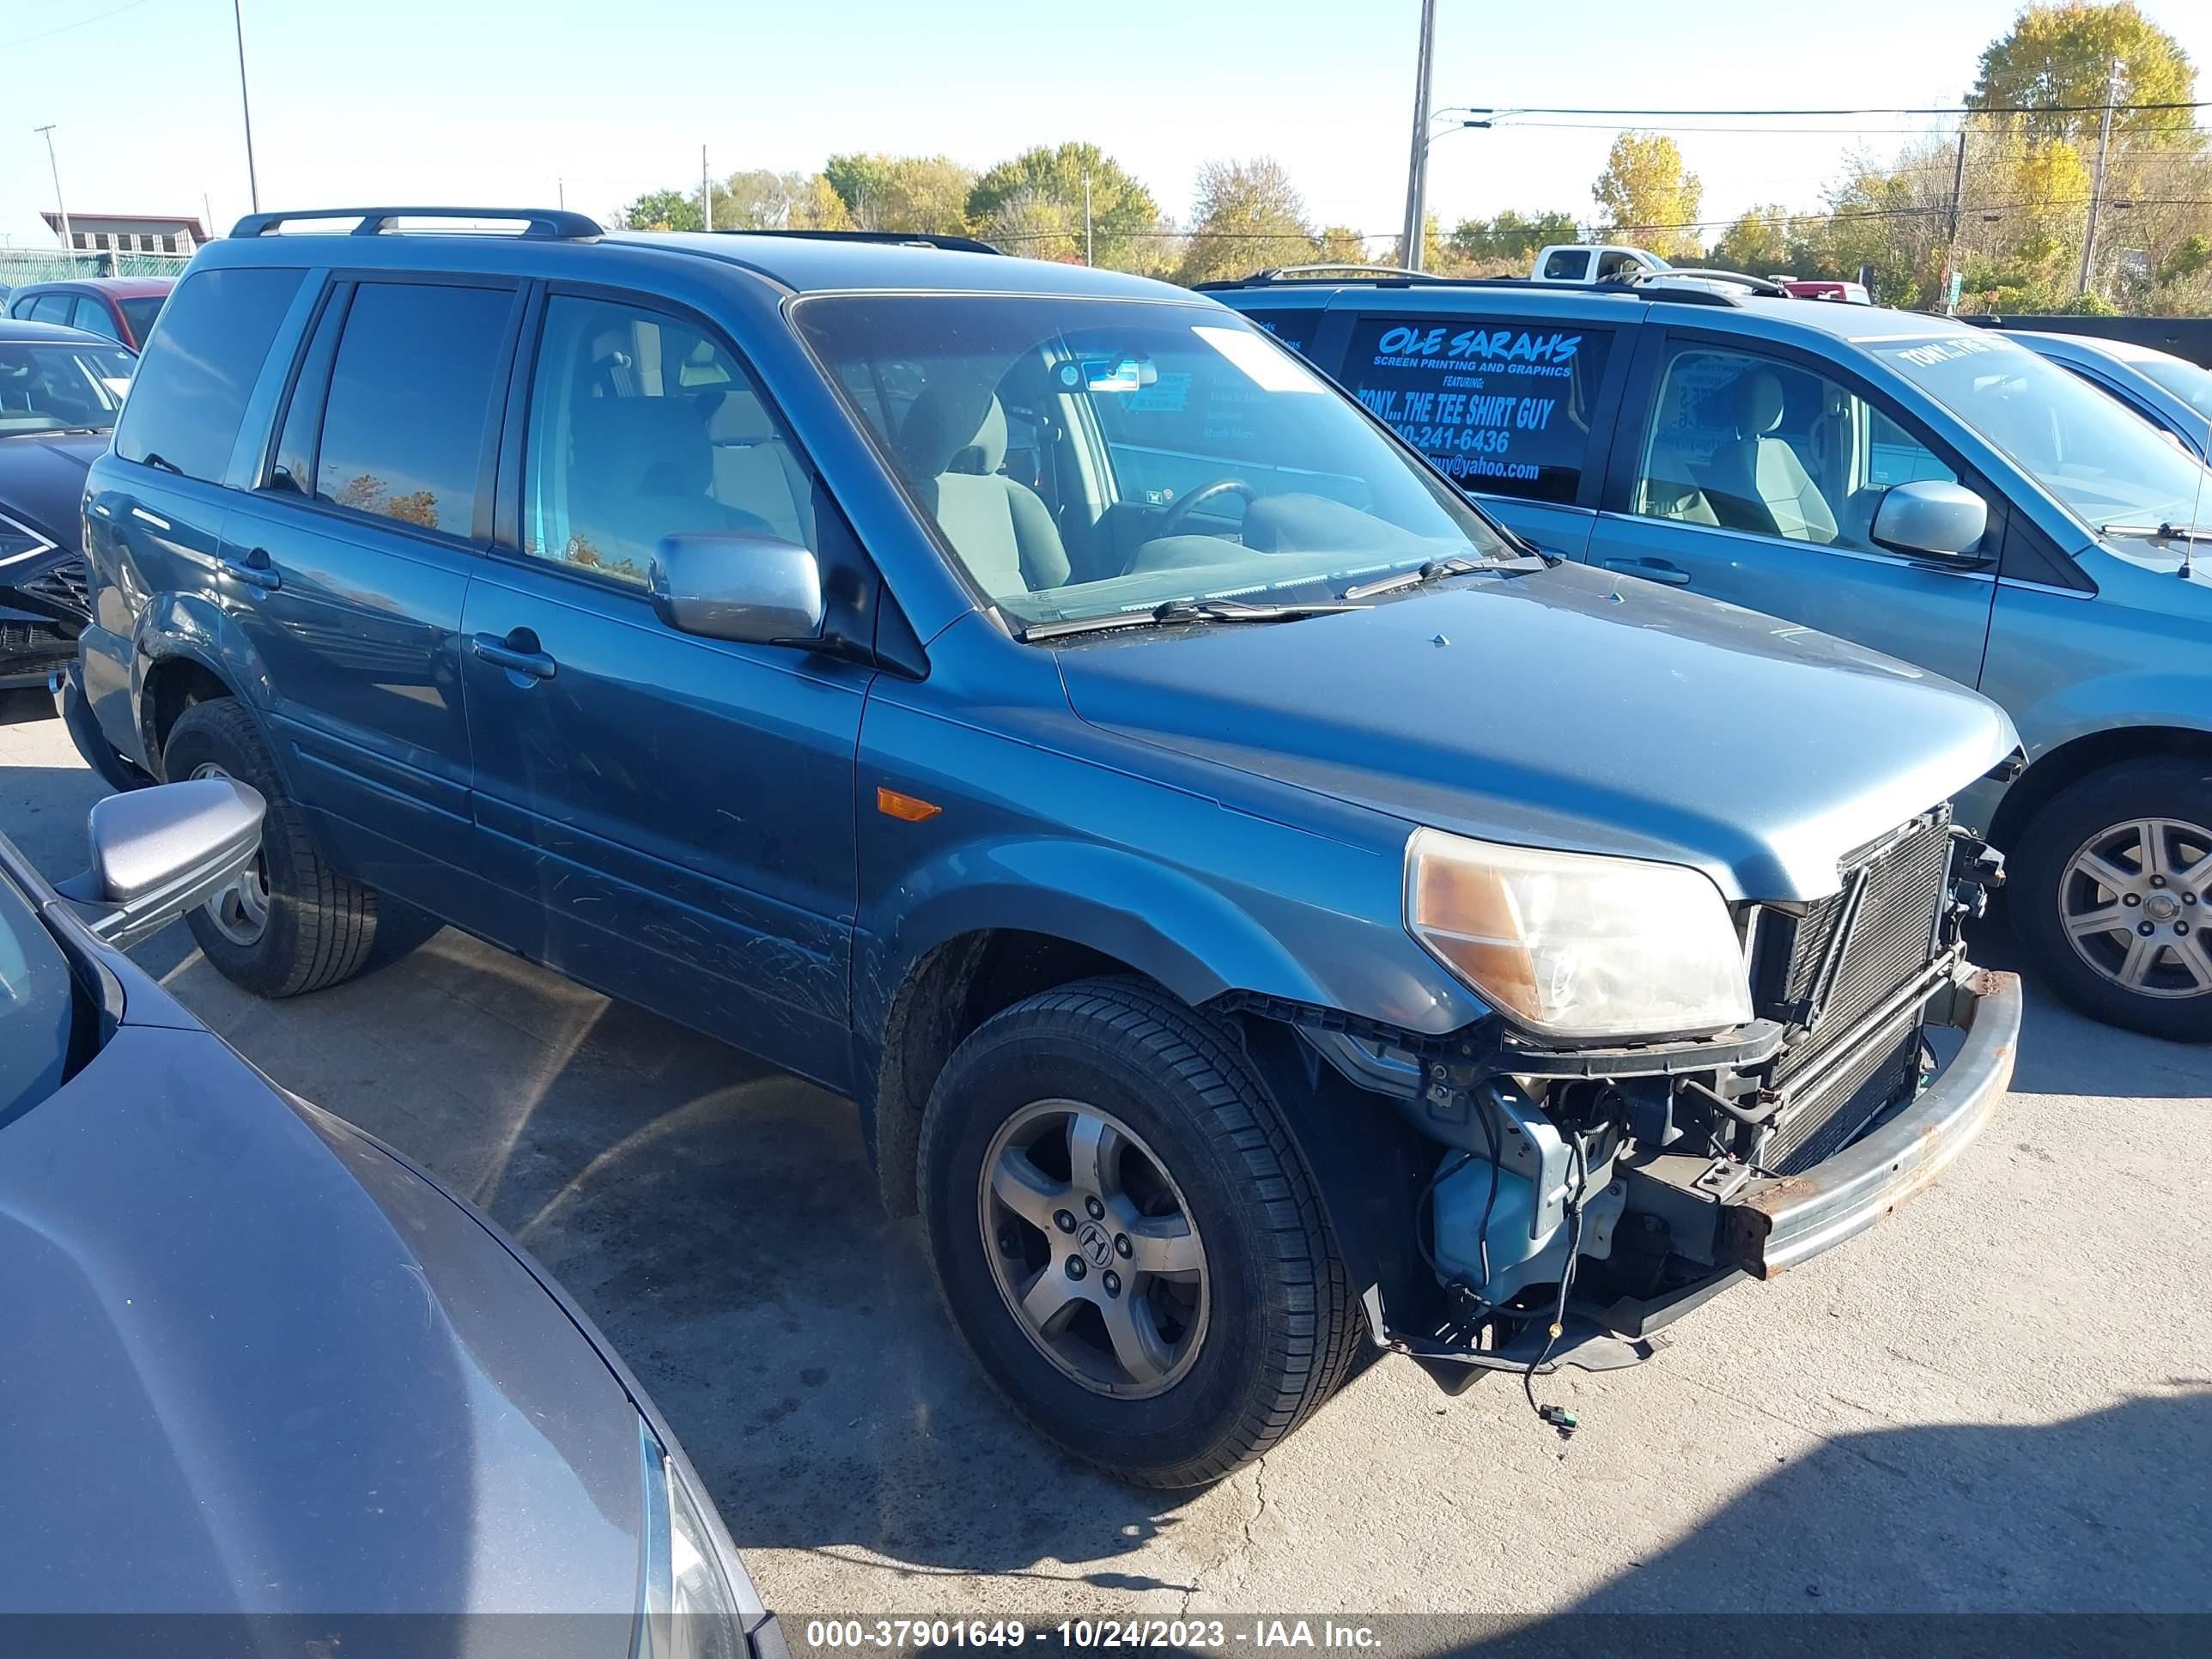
{"x": 1573, "y": 945}
{"x": 690, "y": 1611}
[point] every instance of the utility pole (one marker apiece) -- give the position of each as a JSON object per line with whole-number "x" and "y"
{"x": 1087, "y": 216}
{"x": 706, "y": 191}
{"x": 1417, "y": 169}
{"x": 1951, "y": 234}
{"x": 61, "y": 207}
{"x": 2097, "y": 178}
{"x": 244, "y": 108}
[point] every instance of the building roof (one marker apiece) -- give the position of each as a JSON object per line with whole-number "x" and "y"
{"x": 154, "y": 222}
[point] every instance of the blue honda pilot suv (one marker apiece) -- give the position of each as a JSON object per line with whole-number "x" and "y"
{"x": 1265, "y": 910}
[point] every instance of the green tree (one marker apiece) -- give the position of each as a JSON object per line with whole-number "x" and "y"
{"x": 1650, "y": 198}
{"x": 1512, "y": 236}
{"x": 1032, "y": 205}
{"x": 764, "y": 200}
{"x": 1248, "y": 216}
{"x": 1758, "y": 241}
{"x": 2060, "y": 57}
{"x": 662, "y": 209}
{"x": 1341, "y": 245}
{"x": 927, "y": 193}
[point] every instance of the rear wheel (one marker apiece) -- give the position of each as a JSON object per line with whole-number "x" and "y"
{"x": 2112, "y": 888}
{"x": 290, "y": 923}
{"x": 1127, "y": 1236}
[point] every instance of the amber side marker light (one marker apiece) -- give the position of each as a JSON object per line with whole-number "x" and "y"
{"x": 908, "y": 809}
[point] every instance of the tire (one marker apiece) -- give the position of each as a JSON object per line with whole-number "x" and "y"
{"x": 1257, "y": 1337}
{"x": 317, "y": 927}
{"x": 2113, "y": 816}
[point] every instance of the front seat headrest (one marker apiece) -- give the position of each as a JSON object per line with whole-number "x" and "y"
{"x": 1756, "y": 397}
{"x": 954, "y": 427}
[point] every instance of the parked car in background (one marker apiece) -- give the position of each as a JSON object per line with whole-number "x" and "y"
{"x": 1935, "y": 490}
{"x": 1263, "y": 910}
{"x": 1592, "y": 261}
{"x": 1823, "y": 288}
{"x": 2170, "y": 392}
{"x": 120, "y": 307}
{"x": 256, "y": 1364}
{"x": 59, "y": 392}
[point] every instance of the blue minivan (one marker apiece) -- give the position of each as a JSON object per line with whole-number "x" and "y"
{"x": 1264, "y": 910}
{"x": 1937, "y": 491}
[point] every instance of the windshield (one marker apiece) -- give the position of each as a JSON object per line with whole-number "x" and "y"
{"x": 1087, "y": 458}
{"x": 2098, "y": 456}
{"x": 52, "y": 388}
{"x": 38, "y": 1007}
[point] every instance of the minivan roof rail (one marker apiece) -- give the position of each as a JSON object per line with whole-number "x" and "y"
{"x": 899, "y": 238}
{"x": 1634, "y": 290}
{"x": 553, "y": 223}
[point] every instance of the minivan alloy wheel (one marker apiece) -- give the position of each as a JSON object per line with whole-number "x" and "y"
{"x": 241, "y": 911}
{"x": 1093, "y": 1248}
{"x": 2134, "y": 900}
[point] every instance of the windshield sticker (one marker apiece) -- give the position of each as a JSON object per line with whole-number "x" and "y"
{"x": 1264, "y": 365}
{"x": 1928, "y": 353}
{"x": 1501, "y": 409}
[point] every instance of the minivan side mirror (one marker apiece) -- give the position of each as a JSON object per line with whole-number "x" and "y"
{"x": 161, "y": 852}
{"x": 755, "y": 590}
{"x": 1929, "y": 518}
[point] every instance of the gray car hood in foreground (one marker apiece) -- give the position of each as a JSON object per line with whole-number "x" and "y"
{"x": 253, "y": 1364}
{"x": 1567, "y": 709}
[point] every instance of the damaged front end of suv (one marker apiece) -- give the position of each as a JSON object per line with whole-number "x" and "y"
{"x": 1586, "y": 1182}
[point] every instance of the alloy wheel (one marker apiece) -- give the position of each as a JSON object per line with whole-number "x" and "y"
{"x": 1094, "y": 1248}
{"x": 241, "y": 911}
{"x": 2133, "y": 900}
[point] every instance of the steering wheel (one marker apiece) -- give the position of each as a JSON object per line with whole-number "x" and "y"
{"x": 1181, "y": 511}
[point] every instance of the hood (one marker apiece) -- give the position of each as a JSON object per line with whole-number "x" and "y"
{"x": 255, "y": 1364}
{"x": 42, "y": 481}
{"x": 1570, "y": 709}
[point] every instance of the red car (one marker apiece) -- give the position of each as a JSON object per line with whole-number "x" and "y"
{"x": 121, "y": 308}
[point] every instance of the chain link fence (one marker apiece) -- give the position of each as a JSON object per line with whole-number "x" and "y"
{"x": 20, "y": 266}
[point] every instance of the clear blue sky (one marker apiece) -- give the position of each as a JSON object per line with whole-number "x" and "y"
{"x": 401, "y": 100}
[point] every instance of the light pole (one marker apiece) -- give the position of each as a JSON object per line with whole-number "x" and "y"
{"x": 61, "y": 207}
{"x": 245, "y": 107}
{"x": 1416, "y": 167}
{"x": 1415, "y": 245}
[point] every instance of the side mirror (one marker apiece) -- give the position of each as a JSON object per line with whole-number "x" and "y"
{"x": 753, "y": 589}
{"x": 161, "y": 852}
{"x": 1929, "y": 519}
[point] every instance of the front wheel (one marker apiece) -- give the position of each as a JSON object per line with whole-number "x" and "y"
{"x": 1127, "y": 1236}
{"x": 2110, "y": 890}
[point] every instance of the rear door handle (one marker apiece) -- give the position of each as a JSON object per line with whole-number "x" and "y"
{"x": 518, "y": 654}
{"x": 1652, "y": 570}
{"x": 254, "y": 571}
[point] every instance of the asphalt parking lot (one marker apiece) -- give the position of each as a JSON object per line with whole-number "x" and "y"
{"x": 2000, "y": 1399}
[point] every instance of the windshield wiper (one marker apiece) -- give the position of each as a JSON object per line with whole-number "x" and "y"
{"x": 1188, "y": 611}
{"x": 2189, "y": 535}
{"x": 161, "y": 463}
{"x": 1436, "y": 570}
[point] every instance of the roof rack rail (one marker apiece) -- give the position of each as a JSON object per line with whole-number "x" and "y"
{"x": 897, "y": 237}
{"x": 1769, "y": 286}
{"x": 553, "y": 223}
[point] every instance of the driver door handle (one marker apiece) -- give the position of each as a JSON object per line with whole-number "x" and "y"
{"x": 518, "y": 654}
{"x": 254, "y": 571}
{"x": 1651, "y": 570}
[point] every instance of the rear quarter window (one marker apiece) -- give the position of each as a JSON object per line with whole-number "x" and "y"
{"x": 192, "y": 383}
{"x": 1502, "y": 407}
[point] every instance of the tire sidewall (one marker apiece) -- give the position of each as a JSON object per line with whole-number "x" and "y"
{"x": 989, "y": 1080}
{"x": 2036, "y": 896}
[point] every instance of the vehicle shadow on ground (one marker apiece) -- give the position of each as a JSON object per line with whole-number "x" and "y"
{"x": 2103, "y": 1513}
{"x": 720, "y": 1221}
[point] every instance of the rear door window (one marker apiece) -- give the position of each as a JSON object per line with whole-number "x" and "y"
{"x": 1567, "y": 266}
{"x": 1503, "y": 407}
{"x": 405, "y": 420}
{"x": 90, "y": 315}
{"x": 191, "y": 387}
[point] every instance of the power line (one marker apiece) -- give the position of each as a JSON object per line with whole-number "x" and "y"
{"x": 81, "y": 22}
{"x": 1777, "y": 114}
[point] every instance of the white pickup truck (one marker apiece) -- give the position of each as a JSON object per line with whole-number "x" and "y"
{"x": 1586, "y": 263}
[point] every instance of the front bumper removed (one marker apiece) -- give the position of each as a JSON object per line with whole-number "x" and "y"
{"x": 1775, "y": 1223}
